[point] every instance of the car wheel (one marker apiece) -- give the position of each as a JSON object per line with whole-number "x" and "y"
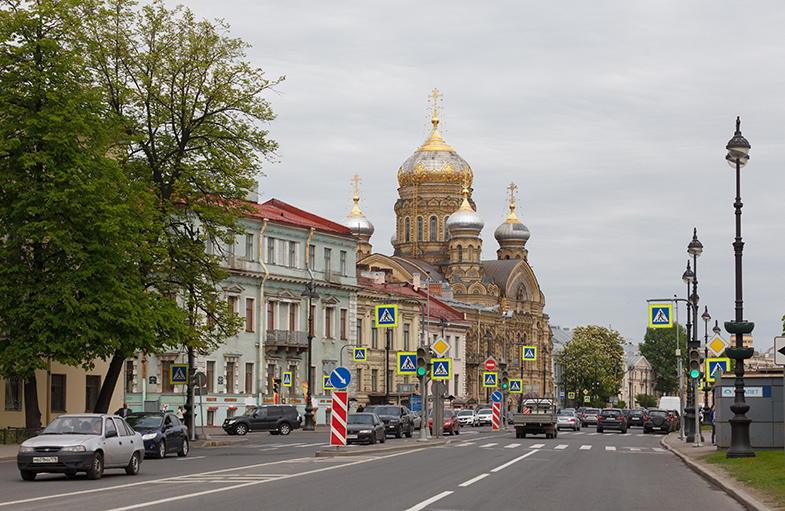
{"x": 285, "y": 428}
{"x": 161, "y": 449}
{"x": 398, "y": 433}
{"x": 409, "y": 433}
{"x": 624, "y": 431}
{"x": 384, "y": 438}
{"x": 96, "y": 467}
{"x": 372, "y": 440}
{"x": 28, "y": 475}
{"x": 599, "y": 430}
{"x": 184, "y": 451}
{"x": 133, "y": 466}
{"x": 241, "y": 429}
{"x": 458, "y": 431}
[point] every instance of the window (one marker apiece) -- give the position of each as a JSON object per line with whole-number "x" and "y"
{"x": 13, "y": 394}
{"x": 343, "y": 262}
{"x": 328, "y": 255}
{"x": 166, "y": 367}
{"x": 293, "y": 317}
{"x": 270, "y": 315}
{"x": 232, "y": 303}
{"x": 249, "y": 314}
{"x": 374, "y": 337}
{"x": 129, "y": 376}
{"x": 249, "y": 378}
{"x": 92, "y": 388}
{"x": 328, "y": 321}
{"x": 405, "y": 337}
{"x": 374, "y": 380}
{"x": 249, "y": 247}
{"x": 230, "y": 369}
{"x": 406, "y": 231}
{"x": 419, "y": 228}
{"x": 457, "y": 349}
{"x": 344, "y": 314}
{"x": 460, "y": 253}
{"x": 457, "y": 388}
{"x": 359, "y": 332}
{"x": 230, "y": 250}
{"x": 292, "y": 254}
{"x": 58, "y": 393}
{"x": 433, "y": 228}
{"x": 210, "y": 376}
{"x": 312, "y": 256}
{"x": 360, "y": 380}
{"x": 208, "y": 245}
{"x": 109, "y": 426}
{"x": 470, "y": 254}
{"x": 211, "y": 417}
{"x": 446, "y": 231}
{"x": 270, "y": 250}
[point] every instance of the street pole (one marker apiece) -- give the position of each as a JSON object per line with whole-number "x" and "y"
{"x": 310, "y": 292}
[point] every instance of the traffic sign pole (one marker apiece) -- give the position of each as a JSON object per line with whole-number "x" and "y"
{"x": 338, "y": 419}
{"x": 495, "y": 420}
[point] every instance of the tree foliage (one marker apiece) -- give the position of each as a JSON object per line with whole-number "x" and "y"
{"x": 593, "y": 361}
{"x": 659, "y": 347}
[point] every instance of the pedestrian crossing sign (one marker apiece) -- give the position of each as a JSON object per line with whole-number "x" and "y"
{"x": 178, "y": 375}
{"x": 441, "y": 368}
{"x": 359, "y": 355}
{"x": 660, "y": 315}
{"x": 407, "y": 362}
{"x": 586, "y": 399}
{"x": 529, "y": 353}
{"x": 570, "y": 395}
{"x": 716, "y": 366}
{"x": 287, "y": 379}
{"x": 516, "y": 386}
{"x": 386, "y": 315}
{"x": 489, "y": 379}
{"x": 326, "y": 383}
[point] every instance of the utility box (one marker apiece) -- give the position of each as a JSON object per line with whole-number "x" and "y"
{"x": 764, "y": 395}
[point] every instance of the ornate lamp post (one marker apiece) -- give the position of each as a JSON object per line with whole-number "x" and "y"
{"x": 740, "y": 447}
{"x": 706, "y": 318}
{"x": 695, "y": 249}
{"x": 488, "y": 337}
{"x": 310, "y": 292}
{"x": 689, "y": 436}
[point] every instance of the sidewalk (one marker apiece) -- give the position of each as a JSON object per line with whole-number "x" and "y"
{"x": 692, "y": 457}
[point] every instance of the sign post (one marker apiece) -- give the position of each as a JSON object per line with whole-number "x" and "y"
{"x": 338, "y": 419}
{"x": 779, "y": 358}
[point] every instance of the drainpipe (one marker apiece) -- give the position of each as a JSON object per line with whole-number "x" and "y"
{"x": 261, "y": 313}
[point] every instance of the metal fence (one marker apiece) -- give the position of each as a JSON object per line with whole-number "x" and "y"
{"x": 11, "y": 435}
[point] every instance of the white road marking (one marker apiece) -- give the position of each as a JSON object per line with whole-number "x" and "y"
{"x": 488, "y": 445}
{"x": 423, "y": 504}
{"x": 516, "y": 460}
{"x": 472, "y": 481}
{"x": 561, "y": 446}
{"x": 585, "y": 447}
{"x": 610, "y": 447}
{"x": 634, "y": 448}
{"x": 465, "y": 444}
{"x": 658, "y": 449}
{"x": 536, "y": 446}
{"x": 511, "y": 446}
{"x": 191, "y": 458}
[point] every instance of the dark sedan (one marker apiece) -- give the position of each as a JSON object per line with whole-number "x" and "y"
{"x": 365, "y": 427}
{"x": 162, "y": 433}
{"x": 637, "y": 417}
{"x": 396, "y": 419}
{"x": 611, "y": 418}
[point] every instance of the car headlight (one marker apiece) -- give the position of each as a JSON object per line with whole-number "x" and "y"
{"x": 149, "y": 436}
{"x": 73, "y": 448}
{"x": 231, "y": 421}
{"x": 26, "y": 450}
{"x": 365, "y": 431}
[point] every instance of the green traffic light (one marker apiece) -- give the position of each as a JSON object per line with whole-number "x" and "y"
{"x": 421, "y": 371}
{"x": 694, "y": 373}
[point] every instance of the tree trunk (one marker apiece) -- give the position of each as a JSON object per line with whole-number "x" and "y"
{"x": 107, "y": 389}
{"x": 32, "y": 412}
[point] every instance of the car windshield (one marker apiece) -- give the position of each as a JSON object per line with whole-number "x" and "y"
{"x": 249, "y": 411}
{"x": 144, "y": 421}
{"x": 657, "y": 413}
{"x": 565, "y": 414}
{"x": 611, "y": 413}
{"x": 592, "y": 411}
{"x": 359, "y": 419}
{"x": 386, "y": 410}
{"x": 74, "y": 426}
{"x": 465, "y": 413}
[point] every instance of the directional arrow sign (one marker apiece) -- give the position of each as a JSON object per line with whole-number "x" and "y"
{"x": 779, "y": 351}
{"x": 496, "y": 397}
{"x": 340, "y": 377}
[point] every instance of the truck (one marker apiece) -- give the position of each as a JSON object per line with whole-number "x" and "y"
{"x": 538, "y": 417}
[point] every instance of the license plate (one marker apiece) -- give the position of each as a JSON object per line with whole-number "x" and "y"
{"x": 45, "y": 459}
{"x": 351, "y": 437}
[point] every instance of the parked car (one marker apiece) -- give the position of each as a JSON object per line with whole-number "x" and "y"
{"x": 589, "y": 416}
{"x": 467, "y": 418}
{"x": 416, "y": 419}
{"x": 637, "y": 417}
{"x": 658, "y": 420}
{"x": 396, "y": 418}
{"x": 485, "y": 416}
{"x": 273, "y": 418}
{"x": 87, "y": 443}
{"x": 568, "y": 419}
{"x": 450, "y": 422}
{"x": 162, "y": 433}
{"x": 365, "y": 427}
{"x": 611, "y": 418}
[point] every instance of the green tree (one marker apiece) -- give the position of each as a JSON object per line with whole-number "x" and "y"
{"x": 71, "y": 239}
{"x": 191, "y": 112}
{"x": 659, "y": 347}
{"x": 646, "y": 400}
{"x": 592, "y": 361}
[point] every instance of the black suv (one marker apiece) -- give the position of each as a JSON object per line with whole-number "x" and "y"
{"x": 637, "y": 417}
{"x": 611, "y": 418}
{"x": 273, "y": 418}
{"x": 397, "y": 419}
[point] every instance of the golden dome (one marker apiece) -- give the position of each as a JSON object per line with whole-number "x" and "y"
{"x": 435, "y": 162}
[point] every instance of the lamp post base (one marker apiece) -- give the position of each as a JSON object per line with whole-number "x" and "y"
{"x": 309, "y": 425}
{"x": 689, "y": 424}
{"x": 740, "y": 446}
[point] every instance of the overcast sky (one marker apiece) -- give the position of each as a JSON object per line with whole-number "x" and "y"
{"x": 611, "y": 117}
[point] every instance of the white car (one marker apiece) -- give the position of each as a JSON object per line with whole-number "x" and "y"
{"x": 485, "y": 416}
{"x": 567, "y": 419}
{"x": 82, "y": 443}
{"x": 467, "y": 418}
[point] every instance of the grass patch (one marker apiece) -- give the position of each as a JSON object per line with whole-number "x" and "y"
{"x": 765, "y": 472}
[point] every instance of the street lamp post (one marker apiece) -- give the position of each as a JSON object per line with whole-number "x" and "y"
{"x": 706, "y": 318}
{"x": 310, "y": 292}
{"x": 630, "y": 377}
{"x": 740, "y": 447}
{"x": 695, "y": 248}
{"x": 488, "y": 338}
{"x": 544, "y": 369}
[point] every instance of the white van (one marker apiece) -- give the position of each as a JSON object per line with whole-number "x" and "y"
{"x": 670, "y": 403}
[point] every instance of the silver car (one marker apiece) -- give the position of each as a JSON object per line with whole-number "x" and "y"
{"x": 467, "y": 418}
{"x": 568, "y": 419}
{"x": 82, "y": 443}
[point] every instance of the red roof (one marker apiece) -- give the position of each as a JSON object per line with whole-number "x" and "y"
{"x": 438, "y": 309}
{"x": 282, "y": 213}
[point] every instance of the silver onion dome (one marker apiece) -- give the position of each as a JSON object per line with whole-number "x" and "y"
{"x": 465, "y": 218}
{"x": 512, "y": 230}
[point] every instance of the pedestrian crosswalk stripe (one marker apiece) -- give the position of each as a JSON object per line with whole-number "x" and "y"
{"x": 610, "y": 447}
{"x": 537, "y": 446}
{"x": 488, "y": 445}
{"x": 634, "y": 448}
{"x": 585, "y": 447}
{"x": 511, "y": 446}
{"x": 561, "y": 446}
{"x": 657, "y": 449}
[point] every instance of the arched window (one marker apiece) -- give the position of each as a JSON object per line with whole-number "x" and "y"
{"x": 419, "y": 228}
{"x": 460, "y": 254}
{"x": 446, "y": 231}
{"x": 470, "y": 255}
{"x": 507, "y": 256}
{"x": 406, "y": 231}
{"x": 432, "y": 228}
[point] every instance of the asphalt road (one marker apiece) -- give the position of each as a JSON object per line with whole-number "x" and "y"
{"x": 476, "y": 470}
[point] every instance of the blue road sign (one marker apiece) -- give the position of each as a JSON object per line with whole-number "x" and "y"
{"x": 660, "y": 315}
{"x": 530, "y": 353}
{"x": 386, "y": 315}
{"x": 496, "y": 397}
{"x": 488, "y": 379}
{"x": 407, "y": 362}
{"x": 178, "y": 375}
{"x": 359, "y": 355}
{"x": 340, "y": 377}
{"x": 287, "y": 379}
{"x": 717, "y": 364}
{"x": 415, "y": 403}
{"x": 516, "y": 386}
{"x": 561, "y": 394}
{"x": 441, "y": 369}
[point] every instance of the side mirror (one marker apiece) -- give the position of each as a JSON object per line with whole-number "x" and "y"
{"x": 111, "y": 434}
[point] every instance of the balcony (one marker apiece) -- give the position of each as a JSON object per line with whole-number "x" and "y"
{"x": 285, "y": 340}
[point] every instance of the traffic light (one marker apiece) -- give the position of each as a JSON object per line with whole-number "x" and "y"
{"x": 505, "y": 380}
{"x": 422, "y": 361}
{"x": 694, "y": 363}
{"x": 276, "y": 385}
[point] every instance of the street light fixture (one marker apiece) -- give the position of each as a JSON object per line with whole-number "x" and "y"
{"x": 310, "y": 293}
{"x": 706, "y": 318}
{"x": 740, "y": 447}
{"x": 688, "y": 276}
{"x": 695, "y": 249}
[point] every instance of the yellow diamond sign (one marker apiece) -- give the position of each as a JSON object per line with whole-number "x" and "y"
{"x": 440, "y": 347}
{"x": 717, "y": 345}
